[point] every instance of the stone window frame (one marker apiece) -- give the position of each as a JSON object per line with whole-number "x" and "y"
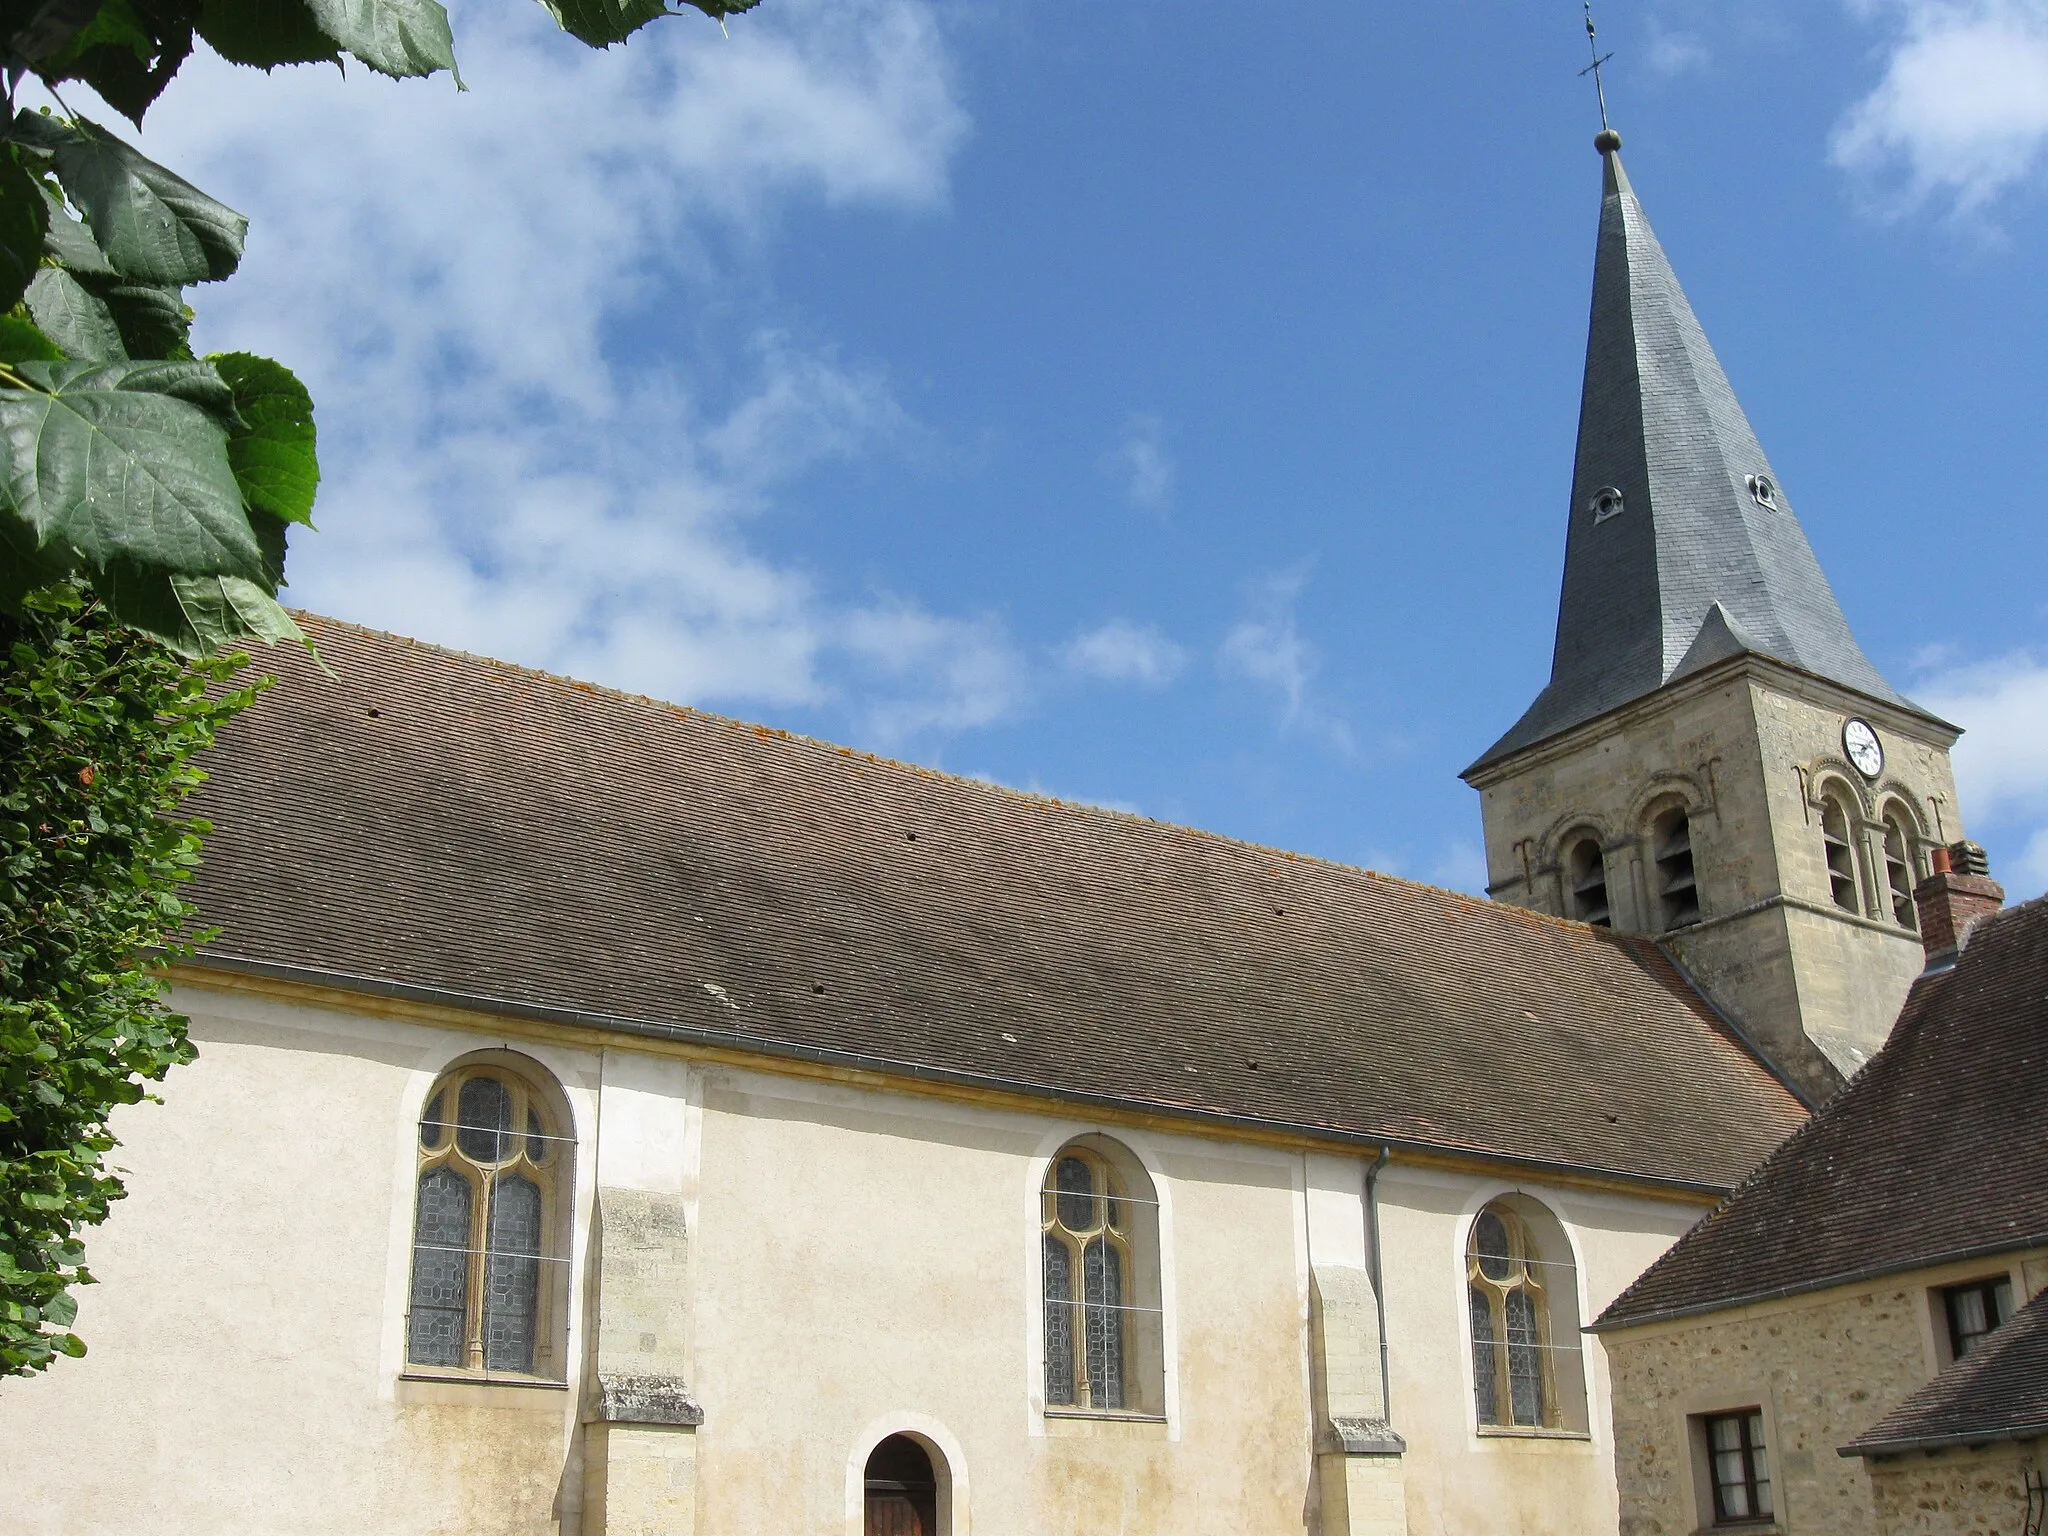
{"x": 1901, "y": 840}
{"x": 1148, "y": 1335}
{"x": 1667, "y": 867}
{"x": 1570, "y": 846}
{"x": 1833, "y": 795}
{"x": 547, "y": 1159}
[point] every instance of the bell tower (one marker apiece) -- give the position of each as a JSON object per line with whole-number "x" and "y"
{"x": 1714, "y": 760}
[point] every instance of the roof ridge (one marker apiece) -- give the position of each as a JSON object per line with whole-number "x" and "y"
{"x": 841, "y": 749}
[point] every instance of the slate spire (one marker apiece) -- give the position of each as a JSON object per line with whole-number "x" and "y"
{"x": 1682, "y": 547}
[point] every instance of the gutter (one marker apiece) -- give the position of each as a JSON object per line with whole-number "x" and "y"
{"x": 1871, "y": 1448}
{"x": 761, "y": 1045}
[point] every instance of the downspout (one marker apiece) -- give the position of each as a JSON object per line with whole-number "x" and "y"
{"x": 1379, "y": 1290}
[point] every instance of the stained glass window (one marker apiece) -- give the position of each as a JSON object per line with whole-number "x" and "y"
{"x": 1091, "y": 1223}
{"x": 483, "y": 1115}
{"x": 1485, "y": 1384}
{"x": 1508, "y": 1289}
{"x": 440, "y": 1268}
{"x": 1102, "y": 1280}
{"x": 489, "y": 1194}
{"x": 1059, "y": 1322}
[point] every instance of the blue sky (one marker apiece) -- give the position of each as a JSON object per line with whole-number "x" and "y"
{"x": 1169, "y": 406}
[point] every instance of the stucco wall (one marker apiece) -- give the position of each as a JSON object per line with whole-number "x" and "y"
{"x": 1823, "y": 1368}
{"x": 857, "y": 1262}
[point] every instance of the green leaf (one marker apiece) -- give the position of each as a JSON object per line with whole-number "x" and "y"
{"x": 393, "y": 37}
{"x": 116, "y": 461}
{"x": 233, "y": 610}
{"x": 264, "y": 33}
{"x": 153, "y": 318}
{"x": 718, "y": 10}
{"x": 70, "y": 242}
{"x": 51, "y": 29}
{"x": 21, "y": 342}
{"x": 601, "y": 23}
{"x": 23, "y": 218}
{"x": 26, "y": 564}
{"x": 74, "y": 319}
{"x": 273, "y": 455}
{"x": 151, "y": 223}
{"x": 194, "y": 615}
{"x": 61, "y": 1309}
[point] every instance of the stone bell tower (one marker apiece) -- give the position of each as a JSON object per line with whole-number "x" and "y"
{"x": 1715, "y": 760}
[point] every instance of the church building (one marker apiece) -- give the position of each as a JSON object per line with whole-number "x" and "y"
{"x": 613, "y": 1118}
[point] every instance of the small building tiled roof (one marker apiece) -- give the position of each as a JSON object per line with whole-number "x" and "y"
{"x": 1933, "y": 1153}
{"x": 1701, "y": 555}
{"x": 447, "y": 827}
{"x": 1998, "y": 1391}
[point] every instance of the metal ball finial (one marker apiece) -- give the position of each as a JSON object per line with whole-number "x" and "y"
{"x": 1607, "y": 141}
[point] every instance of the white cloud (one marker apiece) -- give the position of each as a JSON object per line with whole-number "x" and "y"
{"x": 463, "y": 278}
{"x": 1267, "y": 647}
{"x": 1123, "y": 652}
{"x": 1962, "y": 110}
{"x": 2002, "y": 761}
{"x": 1674, "y": 52}
{"x": 1143, "y": 462}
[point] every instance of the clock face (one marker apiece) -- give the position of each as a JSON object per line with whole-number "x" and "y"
{"x": 1860, "y": 741}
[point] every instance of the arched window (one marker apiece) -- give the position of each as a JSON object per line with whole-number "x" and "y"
{"x": 1521, "y": 1290}
{"x": 1837, "y": 836}
{"x": 1099, "y": 1245}
{"x": 1898, "y": 866}
{"x": 901, "y": 1490}
{"x": 1677, "y": 888}
{"x": 1585, "y": 869}
{"x": 489, "y": 1270}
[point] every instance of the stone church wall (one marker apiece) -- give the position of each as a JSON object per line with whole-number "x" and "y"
{"x": 852, "y": 1263}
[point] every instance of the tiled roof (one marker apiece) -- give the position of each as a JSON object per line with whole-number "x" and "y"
{"x": 1998, "y": 1391}
{"x": 1659, "y": 423}
{"x": 429, "y": 820}
{"x": 1933, "y": 1152}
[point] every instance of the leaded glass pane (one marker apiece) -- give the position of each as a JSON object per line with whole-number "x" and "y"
{"x": 1059, "y": 1323}
{"x": 430, "y": 1124}
{"x": 536, "y": 1138}
{"x": 483, "y": 1115}
{"x": 1490, "y": 1239}
{"x": 512, "y": 1275}
{"x": 1075, "y": 1181}
{"x": 440, "y": 1269}
{"x": 1525, "y": 1359}
{"x": 1485, "y": 1384}
{"x": 1102, "y": 1280}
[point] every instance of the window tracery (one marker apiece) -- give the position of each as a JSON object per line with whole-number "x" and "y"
{"x": 1521, "y": 1298}
{"x": 494, "y": 1169}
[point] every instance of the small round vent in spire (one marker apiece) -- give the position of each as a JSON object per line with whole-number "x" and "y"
{"x": 1763, "y": 492}
{"x": 1606, "y": 503}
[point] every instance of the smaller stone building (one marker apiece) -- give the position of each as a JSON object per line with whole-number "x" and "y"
{"x": 1835, "y": 1350}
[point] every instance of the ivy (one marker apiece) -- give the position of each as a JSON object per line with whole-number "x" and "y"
{"x": 99, "y": 727}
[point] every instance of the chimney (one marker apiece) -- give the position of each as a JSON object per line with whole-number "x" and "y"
{"x": 1959, "y": 892}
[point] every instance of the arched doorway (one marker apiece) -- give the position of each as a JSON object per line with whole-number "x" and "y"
{"x": 902, "y": 1493}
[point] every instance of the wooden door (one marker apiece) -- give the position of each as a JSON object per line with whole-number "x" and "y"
{"x": 894, "y": 1514}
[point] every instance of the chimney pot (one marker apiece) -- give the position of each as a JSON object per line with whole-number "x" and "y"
{"x": 1953, "y": 897}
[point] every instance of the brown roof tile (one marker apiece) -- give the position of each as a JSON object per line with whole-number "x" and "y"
{"x": 434, "y": 821}
{"x": 1935, "y": 1151}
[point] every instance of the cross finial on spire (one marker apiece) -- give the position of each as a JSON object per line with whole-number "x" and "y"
{"x": 1607, "y": 141}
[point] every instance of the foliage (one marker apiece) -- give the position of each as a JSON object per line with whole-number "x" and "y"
{"x": 167, "y": 481}
{"x": 98, "y": 730}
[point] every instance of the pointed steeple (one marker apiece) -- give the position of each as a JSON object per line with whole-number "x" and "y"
{"x": 1683, "y": 548}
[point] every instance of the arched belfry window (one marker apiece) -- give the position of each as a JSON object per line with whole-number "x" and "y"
{"x": 1585, "y": 867}
{"x": 1837, "y": 835}
{"x": 489, "y": 1257}
{"x": 1521, "y": 1291}
{"x": 1099, "y": 1264}
{"x": 1677, "y": 885}
{"x": 1899, "y": 865}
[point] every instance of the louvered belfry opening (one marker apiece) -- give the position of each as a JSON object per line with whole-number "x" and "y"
{"x": 1841, "y": 853}
{"x": 1586, "y": 868}
{"x": 1671, "y": 851}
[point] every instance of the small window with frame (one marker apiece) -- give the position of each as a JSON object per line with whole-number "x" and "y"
{"x": 1738, "y": 1466}
{"x": 1974, "y": 1311}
